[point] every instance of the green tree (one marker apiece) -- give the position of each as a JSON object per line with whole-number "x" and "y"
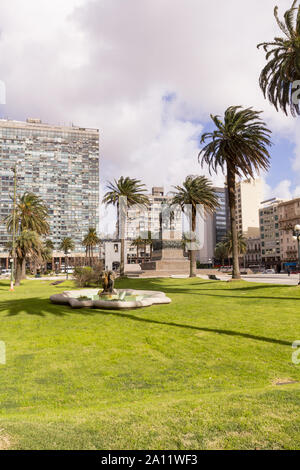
{"x": 90, "y": 241}
{"x": 195, "y": 190}
{"x": 31, "y": 214}
{"x": 241, "y": 243}
{"x": 67, "y": 245}
{"x": 133, "y": 190}
{"x": 221, "y": 252}
{"x": 28, "y": 244}
{"x": 238, "y": 146}
{"x": 138, "y": 243}
{"x": 283, "y": 63}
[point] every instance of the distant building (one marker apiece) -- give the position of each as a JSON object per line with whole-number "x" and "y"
{"x": 110, "y": 254}
{"x": 158, "y": 219}
{"x": 253, "y": 254}
{"x": 61, "y": 165}
{"x": 269, "y": 231}
{"x": 249, "y": 194}
{"x": 221, "y": 216}
{"x": 289, "y": 216}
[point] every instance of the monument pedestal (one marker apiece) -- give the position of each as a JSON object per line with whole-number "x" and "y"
{"x": 168, "y": 259}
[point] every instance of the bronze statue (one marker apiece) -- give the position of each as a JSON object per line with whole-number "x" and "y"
{"x": 108, "y": 281}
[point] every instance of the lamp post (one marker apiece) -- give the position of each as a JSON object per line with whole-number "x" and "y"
{"x": 13, "y": 248}
{"x": 296, "y": 236}
{"x": 67, "y": 263}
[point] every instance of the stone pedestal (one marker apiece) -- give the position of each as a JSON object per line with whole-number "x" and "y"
{"x": 168, "y": 259}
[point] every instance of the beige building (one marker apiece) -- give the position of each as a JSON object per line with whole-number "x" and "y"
{"x": 253, "y": 254}
{"x": 269, "y": 232}
{"x": 249, "y": 194}
{"x": 289, "y": 216}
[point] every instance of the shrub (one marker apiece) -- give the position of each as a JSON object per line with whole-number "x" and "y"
{"x": 87, "y": 276}
{"x": 83, "y": 276}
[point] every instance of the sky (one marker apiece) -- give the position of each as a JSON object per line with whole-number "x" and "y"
{"x": 147, "y": 74}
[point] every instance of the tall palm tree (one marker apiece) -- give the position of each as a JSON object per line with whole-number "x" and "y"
{"x": 31, "y": 214}
{"x": 241, "y": 243}
{"x": 238, "y": 146}
{"x": 66, "y": 246}
{"x": 195, "y": 190}
{"x": 278, "y": 77}
{"x": 90, "y": 241}
{"x": 133, "y": 190}
{"x": 221, "y": 252}
{"x": 28, "y": 244}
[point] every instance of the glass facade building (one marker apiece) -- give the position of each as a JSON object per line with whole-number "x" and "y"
{"x": 221, "y": 215}
{"x": 59, "y": 164}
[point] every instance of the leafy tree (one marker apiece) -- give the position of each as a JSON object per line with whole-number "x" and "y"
{"x": 241, "y": 243}
{"x": 238, "y": 146}
{"x": 195, "y": 190}
{"x": 133, "y": 190}
{"x": 283, "y": 63}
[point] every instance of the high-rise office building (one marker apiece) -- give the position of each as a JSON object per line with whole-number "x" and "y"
{"x": 221, "y": 215}
{"x": 248, "y": 196}
{"x": 269, "y": 231}
{"x": 59, "y": 164}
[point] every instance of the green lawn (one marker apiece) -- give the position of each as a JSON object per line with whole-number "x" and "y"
{"x": 198, "y": 373}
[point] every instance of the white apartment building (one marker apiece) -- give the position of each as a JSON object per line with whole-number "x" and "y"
{"x": 249, "y": 194}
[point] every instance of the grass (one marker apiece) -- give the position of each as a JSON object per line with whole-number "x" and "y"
{"x": 200, "y": 373}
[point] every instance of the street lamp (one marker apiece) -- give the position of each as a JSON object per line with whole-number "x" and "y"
{"x": 296, "y": 236}
{"x": 13, "y": 248}
{"x": 67, "y": 252}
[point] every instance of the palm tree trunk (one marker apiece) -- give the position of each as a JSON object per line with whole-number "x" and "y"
{"x": 192, "y": 251}
{"x": 18, "y": 271}
{"x": 23, "y": 274}
{"x": 234, "y": 232}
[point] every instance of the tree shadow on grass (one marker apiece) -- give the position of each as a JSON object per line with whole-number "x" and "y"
{"x": 43, "y": 307}
{"x": 198, "y": 328}
{"x": 228, "y": 291}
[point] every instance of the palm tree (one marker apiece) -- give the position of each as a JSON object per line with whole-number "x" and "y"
{"x": 278, "y": 77}
{"x": 241, "y": 243}
{"x": 49, "y": 244}
{"x": 66, "y": 246}
{"x": 31, "y": 214}
{"x": 221, "y": 252}
{"x": 195, "y": 190}
{"x": 90, "y": 241}
{"x": 239, "y": 146}
{"x": 138, "y": 242}
{"x": 28, "y": 244}
{"x": 131, "y": 189}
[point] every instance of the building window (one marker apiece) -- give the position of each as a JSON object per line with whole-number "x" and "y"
{"x": 116, "y": 248}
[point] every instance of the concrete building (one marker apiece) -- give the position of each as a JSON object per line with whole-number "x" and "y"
{"x": 110, "y": 254}
{"x": 269, "y": 232}
{"x": 61, "y": 165}
{"x": 249, "y": 194}
{"x": 289, "y": 216}
{"x": 253, "y": 254}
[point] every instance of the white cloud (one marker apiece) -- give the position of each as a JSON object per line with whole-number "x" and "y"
{"x": 109, "y": 63}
